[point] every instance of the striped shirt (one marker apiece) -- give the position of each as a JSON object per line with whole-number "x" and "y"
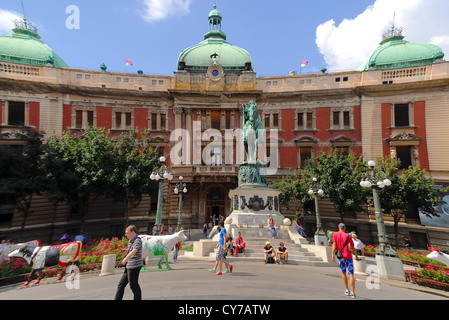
{"x": 136, "y": 260}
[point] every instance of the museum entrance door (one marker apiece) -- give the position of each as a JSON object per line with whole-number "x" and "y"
{"x": 215, "y": 203}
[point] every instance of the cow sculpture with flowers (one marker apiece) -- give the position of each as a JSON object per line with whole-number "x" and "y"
{"x": 39, "y": 257}
{"x": 160, "y": 246}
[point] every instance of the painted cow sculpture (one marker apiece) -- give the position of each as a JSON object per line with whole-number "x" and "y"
{"x": 438, "y": 256}
{"x": 160, "y": 246}
{"x": 48, "y": 256}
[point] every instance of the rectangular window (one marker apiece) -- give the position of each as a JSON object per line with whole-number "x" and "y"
{"x": 336, "y": 119}
{"x": 300, "y": 120}
{"x": 275, "y": 120}
{"x": 267, "y": 120}
{"x": 154, "y": 121}
{"x": 118, "y": 120}
{"x": 90, "y": 118}
{"x": 16, "y": 113}
{"x": 309, "y": 124}
{"x": 404, "y": 154}
{"x": 215, "y": 119}
{"x": 78, "y": 119}
{"x": 128, "y": 118}
{"x": 305, "y": 153}
{"x": 304, "y": 121}
{"x": 401, "y": 115}
{"x": 347, "y": 119}
{"x": 216, "y": 156}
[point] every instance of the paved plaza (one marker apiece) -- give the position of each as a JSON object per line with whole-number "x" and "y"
{"x": 191, "y": 280}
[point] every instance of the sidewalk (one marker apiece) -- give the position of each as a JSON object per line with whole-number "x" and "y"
{"x": 190, "y": 279}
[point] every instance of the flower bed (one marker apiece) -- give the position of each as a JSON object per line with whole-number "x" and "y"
{"x": 90, "y": 257}
{"x": 417, "y": 278}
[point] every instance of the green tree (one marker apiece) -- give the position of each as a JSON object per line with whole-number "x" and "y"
{"x": 411, "y": 191}
{"x": 293, "y": 190}
{"x": 94, "y": 163}
{"x": 21, "y": 174}
{"x": 339, "y": 176}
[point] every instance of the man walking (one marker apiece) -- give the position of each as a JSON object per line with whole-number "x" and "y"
{"x": 343, "y": 242}
{"x": 221, "y": 250}
{"x": 133, "y": 264}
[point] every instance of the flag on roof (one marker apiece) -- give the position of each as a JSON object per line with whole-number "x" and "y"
{"x": 304, "y": 63}
{"x": 128, "y": 62}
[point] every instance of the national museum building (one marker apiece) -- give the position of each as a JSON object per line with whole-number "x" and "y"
{"x": 393, "y": 105}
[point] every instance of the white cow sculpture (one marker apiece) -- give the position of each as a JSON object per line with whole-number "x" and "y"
{"x": 438, "y": 256}
{"x": 160, "y": 246}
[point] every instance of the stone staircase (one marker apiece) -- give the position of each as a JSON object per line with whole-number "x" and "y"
{"x": 296, "y": 253}
{"x": 299, "y": 252}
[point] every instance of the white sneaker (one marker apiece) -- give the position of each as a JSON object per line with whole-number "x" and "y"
{"x": 347, "y": 292}
{"x": 353, "y": 295}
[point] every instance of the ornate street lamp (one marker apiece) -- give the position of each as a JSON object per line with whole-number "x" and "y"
{"x": 180, "y": 189}
{"x": 387, "y": 259}
{"x": 160, "y": 174}
{"x": 320, "y": 235}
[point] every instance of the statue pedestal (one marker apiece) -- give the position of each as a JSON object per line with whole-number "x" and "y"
{"x": 251, "y": 206}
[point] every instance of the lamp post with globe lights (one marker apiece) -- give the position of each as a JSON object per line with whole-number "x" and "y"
{"x": 160, "y": 174}
{"x": 320, "y": 236}
{"x": 180, "y": 189}
{"x": 390, "y": 266}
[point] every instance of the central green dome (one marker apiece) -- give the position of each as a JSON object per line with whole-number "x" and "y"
{"x": 26, "y": 47}
{"x": 215, "y": 48}
{"x": 395, "y": 52}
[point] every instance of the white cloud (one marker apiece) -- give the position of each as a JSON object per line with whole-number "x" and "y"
{"x": 6, "y": 20}
{"x": 155, "y": 10}
{"x": 347, "y": 45}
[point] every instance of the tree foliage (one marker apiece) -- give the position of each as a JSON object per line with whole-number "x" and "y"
{"x": 21, "y": 174}
{"x": 339, "y": 176}
{"x": 293, "y": 190}
{"x": 411, "y": 191}
{"x": 95, "y": 163}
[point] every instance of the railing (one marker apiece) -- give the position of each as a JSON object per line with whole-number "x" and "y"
{"x": 404, "y": 73}
{"x": 19, "y": 69}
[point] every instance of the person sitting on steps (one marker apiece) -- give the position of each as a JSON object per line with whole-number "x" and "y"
{"x": 282, "y": 253}
{"x": 270, "y": 253}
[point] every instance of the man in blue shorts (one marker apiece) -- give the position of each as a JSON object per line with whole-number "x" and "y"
{"x": 220, "y": 257}
{"x": 343, "y": 242}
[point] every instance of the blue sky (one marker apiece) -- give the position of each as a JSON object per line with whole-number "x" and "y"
{"x": 337, "y": 35}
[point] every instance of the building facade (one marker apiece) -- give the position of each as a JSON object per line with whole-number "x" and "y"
{"x": 393, "y": 105}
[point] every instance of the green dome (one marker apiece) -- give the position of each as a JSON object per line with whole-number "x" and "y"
{"x": 200, "y": 57}
{"x": 395, "y": 52}
{"x": 24, "y": 46}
